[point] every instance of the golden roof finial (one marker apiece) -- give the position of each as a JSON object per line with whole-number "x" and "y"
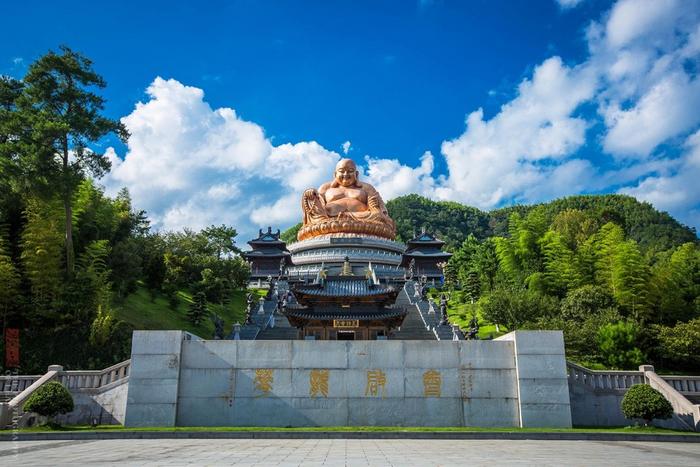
{"x": 347, "y": 269}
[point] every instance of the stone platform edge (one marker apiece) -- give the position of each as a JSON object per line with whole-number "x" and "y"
{"x": 467, "y": 435}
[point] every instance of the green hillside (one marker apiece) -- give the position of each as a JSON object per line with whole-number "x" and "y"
{"x": 453, "y": 222}
{"x": 144, "y": 310}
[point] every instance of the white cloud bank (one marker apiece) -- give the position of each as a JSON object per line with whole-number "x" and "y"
{"x": 190, "y": 165}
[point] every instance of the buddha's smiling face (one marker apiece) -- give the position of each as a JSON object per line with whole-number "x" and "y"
{"x": 346, "y": 173}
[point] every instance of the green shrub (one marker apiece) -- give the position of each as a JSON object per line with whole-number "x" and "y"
{"x": 618, "y": 345}
{"x": 50, "y": 400}
{"x": 643, "y": 401}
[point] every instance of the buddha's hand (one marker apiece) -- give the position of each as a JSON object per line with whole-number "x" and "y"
{"x": 310, "y": 193}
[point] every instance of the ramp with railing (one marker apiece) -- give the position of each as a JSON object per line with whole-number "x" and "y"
{"x": 596, "y": 396}
{"x": 85, "y": 385}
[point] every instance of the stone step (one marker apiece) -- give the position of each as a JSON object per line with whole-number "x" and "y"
{"x": 412, "y": 327}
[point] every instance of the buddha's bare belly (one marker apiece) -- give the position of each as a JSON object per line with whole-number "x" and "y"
{"x": 345, "y": 200}
{"x": 334, "y": 208}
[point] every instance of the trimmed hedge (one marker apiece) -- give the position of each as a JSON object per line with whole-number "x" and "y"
{"x": 50, "y": 400}
{"x": 643, "y": 401}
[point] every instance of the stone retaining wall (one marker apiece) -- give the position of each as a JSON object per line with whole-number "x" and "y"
{"x": 178, "y": 379}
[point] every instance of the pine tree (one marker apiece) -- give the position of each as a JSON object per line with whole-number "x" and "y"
{"x": 64, "y": 115}
{"x": 472, "y": 286}
{"x": 197, "y": 309}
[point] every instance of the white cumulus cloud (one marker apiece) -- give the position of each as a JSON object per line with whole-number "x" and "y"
{"x": 635, "y": 98}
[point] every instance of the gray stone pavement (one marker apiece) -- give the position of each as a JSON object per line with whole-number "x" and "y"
{"x": 346, "y": 452}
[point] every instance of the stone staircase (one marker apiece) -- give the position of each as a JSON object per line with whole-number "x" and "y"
{"x": 413, "y": 326}
{"x": 427, "y": 315}
{"x": 282, "y": 330}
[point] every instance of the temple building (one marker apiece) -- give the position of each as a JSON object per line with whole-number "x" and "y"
{"x": 345, "y": 307}
{"x": 424, "y": 253}
{"x": 266, "y": 256}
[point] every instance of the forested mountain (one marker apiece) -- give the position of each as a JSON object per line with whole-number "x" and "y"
{"x": 621, "y": 279}
{"x": 453, "y": 221}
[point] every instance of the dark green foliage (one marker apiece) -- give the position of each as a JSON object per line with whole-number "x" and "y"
{"x": 290, "y": 235}
{"x": 472, "y": 286}
{"x": 221, "y": 240}
{"x": 64, "y": 114}
{"x": 653, "y": 230}
{"x": 450, "y": 221}
{"x": 641, "y": 401}
{"x": 584, "y": 302}
{"x": 50, "y": 400}
{"x": 513, "y": 308}
{"x": 573, "y": 217}
{"x": 680, "y": 344}
{"x": 52, "y": 211}
{"x": 198, "y": 308}
{"x": 580, "y": 335}
{"x": 618, "y": 345}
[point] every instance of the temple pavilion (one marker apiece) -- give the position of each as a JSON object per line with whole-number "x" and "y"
{"x": 267, "y": 254}
{"x": 345, "y": 307}
{"x": 425, "y": 252}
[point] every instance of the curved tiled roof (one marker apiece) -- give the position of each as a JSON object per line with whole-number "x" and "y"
{"x": 341, "y": 287}
{"x": 362, "y": 314}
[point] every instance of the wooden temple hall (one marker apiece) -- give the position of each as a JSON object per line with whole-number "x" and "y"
{"x": 345, "y": 307}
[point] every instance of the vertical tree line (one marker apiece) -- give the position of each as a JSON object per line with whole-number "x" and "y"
{"x": 68, "y": 253}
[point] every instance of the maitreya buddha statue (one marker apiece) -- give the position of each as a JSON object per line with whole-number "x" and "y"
{"x": 345, "y": 205}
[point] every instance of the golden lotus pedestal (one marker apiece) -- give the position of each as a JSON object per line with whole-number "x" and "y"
{"x": 344, "y": 226}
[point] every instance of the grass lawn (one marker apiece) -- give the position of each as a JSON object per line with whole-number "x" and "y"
{"x": 143, "y": 311}
{"x": 629, "y": 429}
{"x": 461, "y": 314}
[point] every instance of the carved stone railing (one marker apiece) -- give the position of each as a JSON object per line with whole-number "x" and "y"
{"x": 604, "y": 380}
{"x": 686, "y": 385}
{"x": 684, "y": 411}
{"x": 13, "y": 385}
{"x": 94, "y": 379}
{"x": 361, "y": 240}
{"x": 311, "y": 259}
{"x": 75, "y": 380}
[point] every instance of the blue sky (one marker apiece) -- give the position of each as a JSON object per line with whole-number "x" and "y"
{"x": 255, "y": 99}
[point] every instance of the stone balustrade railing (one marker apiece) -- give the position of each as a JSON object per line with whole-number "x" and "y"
{"x": 76, "y": 380}
{"x": 684, "y": 411}
{"x": 391, "y": 259}
{"x": 94, "y": 379}
{"x": 606, "y": 380}
{"x": 686, "y": 385}
{"x": 10, "y": 385}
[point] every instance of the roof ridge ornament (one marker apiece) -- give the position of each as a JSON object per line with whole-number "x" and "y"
{"x": 347, "y": 268}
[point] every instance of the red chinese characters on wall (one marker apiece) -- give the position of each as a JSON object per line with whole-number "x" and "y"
{"x": 11, "y": 348}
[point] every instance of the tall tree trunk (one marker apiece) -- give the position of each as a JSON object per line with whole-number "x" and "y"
{"x": 70, "y": 260}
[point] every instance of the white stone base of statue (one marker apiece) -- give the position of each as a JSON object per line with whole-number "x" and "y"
{"x": 261, "y": 308}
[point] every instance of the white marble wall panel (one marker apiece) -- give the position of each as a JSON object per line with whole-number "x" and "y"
{"x": 330, "y": 383}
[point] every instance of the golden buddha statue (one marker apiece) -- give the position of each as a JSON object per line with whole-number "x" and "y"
{"x": 345, "y": 205}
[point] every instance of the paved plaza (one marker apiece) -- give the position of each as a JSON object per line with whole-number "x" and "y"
{"x": 341, "y": 452}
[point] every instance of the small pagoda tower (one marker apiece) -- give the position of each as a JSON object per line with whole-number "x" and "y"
{"x": 425, "y": 253}
{"x": 268, "y": 257}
